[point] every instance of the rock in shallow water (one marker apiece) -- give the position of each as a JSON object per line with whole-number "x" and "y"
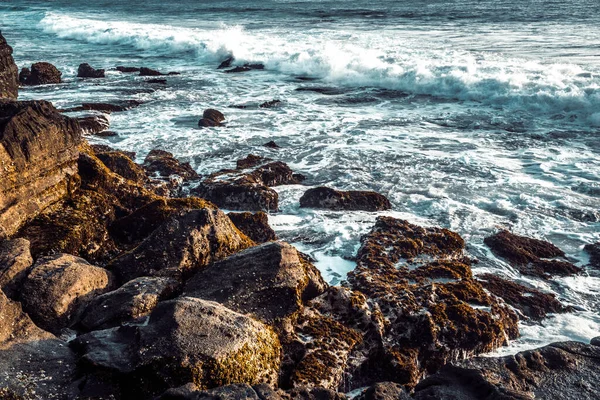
{"x": 85, "y": 70}
{"x": 323, "y": 197}
{"x": 9, "y": 73}
{"x": 594, "y": 252}
{"x": 41, "y": 73}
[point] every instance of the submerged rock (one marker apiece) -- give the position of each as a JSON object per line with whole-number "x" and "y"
{"x": 123, "y": 69}
{"x": 87, "y": 71}
{"x": 149, "y": 72}
{"x": 250, "y": 161}
{"x": 9, "y": 73}
{"x": 323, "y": 197}
{"x": 530, "y": 256}
{"x": 41, "y": 73}
{"x": 105, "y": 107}
{"x": 594, "y": 251}
{"x": 272, "y": 145}
{"x": 15, "y": 261}
{"x": 254, "y": 225}
{"x": 226, "y": 63}
{"x": 245, "y": 68}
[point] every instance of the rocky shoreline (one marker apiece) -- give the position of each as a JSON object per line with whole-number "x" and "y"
{"x": 127, "y": 281}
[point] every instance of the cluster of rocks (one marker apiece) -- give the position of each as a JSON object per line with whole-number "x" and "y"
{"x": 113, "y": 287}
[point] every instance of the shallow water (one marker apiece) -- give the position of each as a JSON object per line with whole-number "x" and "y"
{"x": 471, "y": 115}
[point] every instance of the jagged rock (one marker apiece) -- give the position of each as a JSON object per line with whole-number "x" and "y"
{"x": 250, "y": 161}
{"x": 9, "y": 73}
{"x": 121, "y": 164}
{"x": 85, "y": 70}
{"x": 255, "y": 226}
{"x": 185, "y": 243}
{"x": 323, "y": 197}
{"x": 272, "y": 145}
{"x": 24, "y": 74}
{"x": 15, "y": 260}
{"x": 226, "y": 63}
{"x": 269, "y": 282}
{"x": 245, "y": 68}
{"x": 123, "y": 69}
{"x": 137, "y": 298}
{"x": 530, "y": 256}
{"x": 93, "y": 124}
{"x": 211, "y": 117}
{"x": 164, "y": 164}
{"x": 567, "y": 370}
{"x": 34, "y": 364}
{"x": 38, "y": 159}
{"x": 434, "y": 310}
{"x": 594, "y": 251}
{"x": 41, "y": 73}
{"x": 229, "y": 392}
{"x": 186, "y": 340}
{"x": 105, "y": 107}
{"x": 533, "y": 303}
{"x": 59, "y": 286}
{"x": 102, "y": 148}
{"x": 149, "y": 72}
{"x": 270, "y": 104}
{"x": 384, "y": 391}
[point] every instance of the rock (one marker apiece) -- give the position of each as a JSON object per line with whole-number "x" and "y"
{"x": 121, "y": 164}
{"x": 434, "y": 310}
{"x": 105, "y": 107}
{"x": 531, "y": 302}
{"x": 270, "y": 104}
{"x": 211, "y": 117}
{"x": 157, "y": 81}
{"x": 24, "y": 75}
{"x": 149, "y": 72}
{"x": 567, "y": 370}
{"x": 239, "y": 195}
{"x": 123, "y": 69}
{"x": 228, "y": 392}
{"x": 255, "y": 226}
{"x": 272, "y": 145}
{"x": 38, "y": 154}
{"x": 186, "y": 340}
{"x": 93, "y": 124}
{"x": 275, "y": 174}
{"x": 34, "y": 364}
{"x": 185, "y": 243}
{"x": 250, "y": 161}
{"x": 384, "y": 391}
{"x": 245, "y": 68}
{"x": 268, "y": 282}
{"x": 530, "y": 256}
{"x": 9, "y": 83}
{"x": 137, "y": 298}
{"x": 323, "y": 197}
{"x": 15, "y": 260}
{"x": 594, "y": 251}
{"x": 102, "y": 148}
{"x": 87, "y": 71}
{"x": 163, "y": 164}
{"x": 42, "y": 73}
{"x": 58, "y": 287}
{"x": 595, "y": 341}
{"x": 315, "y": 393}
{"x": 226, "y": 63}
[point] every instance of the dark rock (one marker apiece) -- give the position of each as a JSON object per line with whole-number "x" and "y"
{"x": 93, "y": 124}
{"x": 434, "y": 310}
{"x": 323, "y": 197}
{"x": 531, "y": 302}
{"x": 228, "y": 392}
{"x": 59, "y": 287}
{"x": 594, "y": 251}
{"x": 123, "y": 69}
{"x": 105, "y": 107}
{"x": 239, "y": 195}
{"x": 24, "y": 75}
{"x": 226, "y": 63}
{"x": 250, "y": 161}
{"x": 106, "y": 134}
{"x": 255, "y": 226}
{"x": 42, "y": 73}
{"x": 211, "y": 117}
{"x": 565, "y": 370}
{"x": 182, "y": 245}
{"x": 149, "y": 72}
{"x": 275, "y": 174}
{"x": 384, "y": 391}
{"x": 87, "y": 71}
{"x": 207, "y": 123}
{"x": 267, "y": 281}
{"x": 103, "y": 148}
{"x": 9, "y": 83}
{"x": 121, "y": 164}
{"x": 272, "y": 145}
{"x": 15, "y": 261}
{"x": 245, "y": 68}
{"x": 157, "y": 81}
{"x": 38, "y": 152}
{"x": 315, "y": 393}
{"x": 174, "y": 73}
{"x": 137, "y": 298}
{"x": 270, "y": 104}
{"x": 595, "y": 341}
{"x": 162, "y": 163}
{"x": 530, "y": 256}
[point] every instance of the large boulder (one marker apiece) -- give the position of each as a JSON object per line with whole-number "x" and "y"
{"x": 9, "y": 73}
{"x": 254, "y": 225}
{"x": 59, "y": 287}
{"x": 530, "y": 256}
{"x": 41, "y": 73}
{"x": 15, "y": 260}
{"x": 353, "y": 200}
{"x": 567, "y": 370}
{"x": 85, "y": 70}
{"x": 38, "y": 156}
{"x": 185, "y": 243}
{"x": 594, "y": 252}
{"x": 434, "y": 310}
{"x": 93, "y": 124}
{"x": 211, "y": 117}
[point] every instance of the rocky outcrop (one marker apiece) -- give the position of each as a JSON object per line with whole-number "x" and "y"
{"x": 15, "y": 261}
{"x": 93, "y": 124}
{"x": 163, "y": 164}
{"x": 567, "y": 370}
{"x": 185, "y": 243}
{"x": 186, "y": 340}
{"x": 435, "y": 311}
{"x": 594, "y": 252}
{"x": 126, "y": 70}
{"x": 59, "y": 287}
{"x": 250, "y": 161}
{"x": 9, "y": 73}
{"x": 323, "y": 197}
{"x": 137, "y": 298}
{"x": 211, "y": 117}
{"x": 530, "y": 256}
{"x": 41, "y": 73}
{"x": 85, "y": 70}
{"x": 254, "y": 225}
{"x": 38, "y": 156}
{"x": 121, "y": 164}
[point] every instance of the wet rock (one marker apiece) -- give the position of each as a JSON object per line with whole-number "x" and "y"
{"x": 250, "y": 161}
{"x": 137, "y": 298}
{"x": 530, "y": 256}
{"x": 164, "y": 164}
{"x": 275, "y": 174}
{"x": 9, "y": 84}
{"x": 105, "y": 107}
{"x": 315, "y": 393}
{"x": 15, "y": 260}
{"x": 267, "y": 281}
{"x": 93, "y": 124}
{"x": 103, "y": 148}
{"x": 239, "y": 195}
{"x": 566, "y": 370}
{"x": 270, "y": 104}
{"x": 226, "y": 63}
{"x": 58, "y": 287}
{"x": 38, "y": 152}
{"x": 272, "y": 145}
{"x": 157, "y": 81}
{"x": 127, "y": 70}
{"x": 42, "y": 73}
{"x": 533, "y": 303}
{"x": 594, "y": 251}
{"x": 87, "y": 71}
{"x": 24, "y": 74}
{"x": 210, "y": 118}
{"x": 121, "y": 164}
{"x": 254, "y": 225}
{"x": 384, "y": 391}
{"x": 434, "y": 310}
{"x": 245, "y": 68}
{"x": 34, "y": 364}
{"x": 184, "y": 244}
{"x": 323, "y": 197}
{"x": 149, "y": 72}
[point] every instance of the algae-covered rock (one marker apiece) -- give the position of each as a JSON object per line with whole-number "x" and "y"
{"x": 15, "y": 260}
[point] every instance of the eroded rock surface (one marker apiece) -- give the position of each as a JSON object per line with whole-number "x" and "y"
{"x": 594, "y": 251}
{"x": 210, "y": 118}
{"x": 9, "y": 73}
{"x": 15, "y": 261}
{"x": 41, "y": 73}
{"x": 353, "y": 200}
{"x": 254, "y": 225}
{"x": 85, "y": 70}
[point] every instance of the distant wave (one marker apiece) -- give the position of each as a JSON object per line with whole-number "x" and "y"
{"x": 564, "y": 91}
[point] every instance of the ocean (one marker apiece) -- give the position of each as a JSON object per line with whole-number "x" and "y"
{"x": 470, "y": 115}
